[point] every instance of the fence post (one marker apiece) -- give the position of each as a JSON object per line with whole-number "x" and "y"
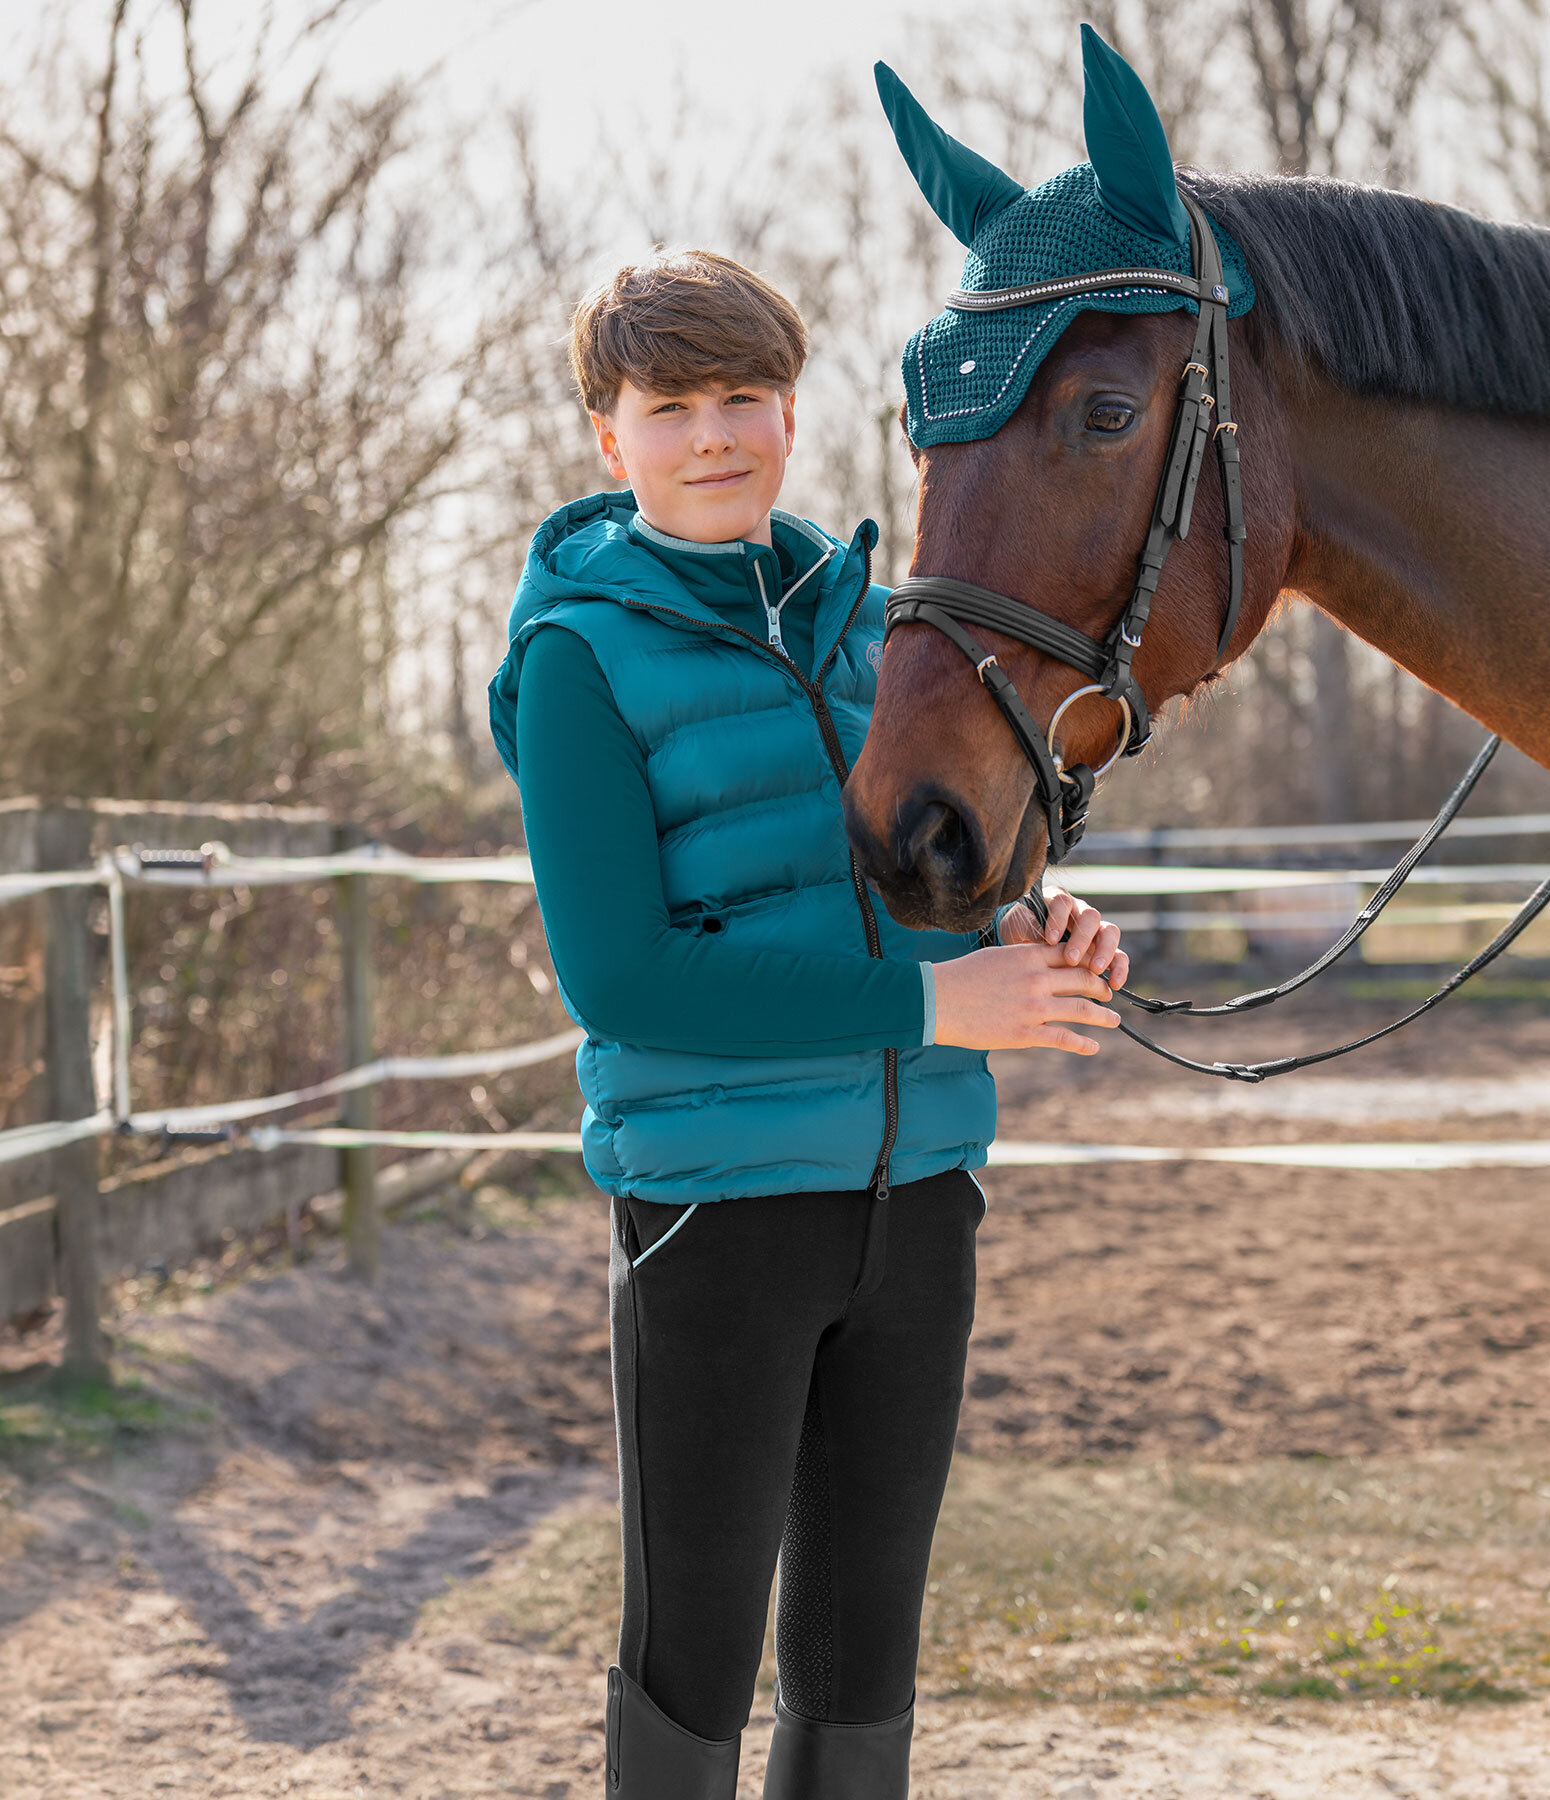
{"x": 64, "y": 842}
{"x": 358, "y": 1165}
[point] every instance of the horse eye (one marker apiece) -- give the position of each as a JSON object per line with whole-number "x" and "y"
{"x": 1107, "y": 416}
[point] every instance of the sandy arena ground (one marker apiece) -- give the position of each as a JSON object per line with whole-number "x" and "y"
{"x": 1253, "y": 1493}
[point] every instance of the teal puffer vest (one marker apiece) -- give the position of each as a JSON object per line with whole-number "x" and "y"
{"x": 741, "y": 757}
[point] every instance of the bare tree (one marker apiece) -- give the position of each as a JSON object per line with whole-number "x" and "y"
{"x": 1506, "y": 87}
{"x": 1337, "y": 80}
{"x": 219, "y": 400}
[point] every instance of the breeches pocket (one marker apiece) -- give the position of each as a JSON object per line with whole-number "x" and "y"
{"x": 650, "y": 1228}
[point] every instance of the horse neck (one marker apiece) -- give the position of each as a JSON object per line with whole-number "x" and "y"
{"x": 1426, "y": 531}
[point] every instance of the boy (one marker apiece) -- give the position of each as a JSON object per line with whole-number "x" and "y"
{"x": 690, "y": 677}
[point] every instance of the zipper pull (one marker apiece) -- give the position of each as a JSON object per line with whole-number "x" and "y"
{"x": 771, "y": 613}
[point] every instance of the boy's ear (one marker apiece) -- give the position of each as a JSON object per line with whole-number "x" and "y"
{"x": 788, "y": 412}
{"x": 609, "y": 445}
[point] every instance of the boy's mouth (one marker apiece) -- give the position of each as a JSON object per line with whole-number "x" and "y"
{"x": 724, "y": 479}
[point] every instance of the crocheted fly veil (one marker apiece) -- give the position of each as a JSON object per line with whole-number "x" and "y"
{"x": 965, "y": 373}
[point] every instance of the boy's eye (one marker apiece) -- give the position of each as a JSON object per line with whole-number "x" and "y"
{"x": 669, "y": 406}
{"x": 752, "y": 399}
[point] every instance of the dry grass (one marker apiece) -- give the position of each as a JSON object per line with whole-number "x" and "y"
{"x": 1340, "y": 1582}
{"x": 1380, "y": 1579}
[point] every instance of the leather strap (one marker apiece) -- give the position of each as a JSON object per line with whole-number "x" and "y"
{"x": 983, "y": 606}
{"x": 1065, "y": 287}
{"x": 1527, "y": 913}
{"x": 1285, "y": 1065}
{"x": 1064, "y": 797}
{"x": 1358, "y": 927}
{"x": 1202, "y": 413}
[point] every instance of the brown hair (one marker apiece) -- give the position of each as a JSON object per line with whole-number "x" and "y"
{"x": 684, "y": 320}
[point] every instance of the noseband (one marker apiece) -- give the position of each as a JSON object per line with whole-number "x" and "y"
{"x": 1065, "y": 793}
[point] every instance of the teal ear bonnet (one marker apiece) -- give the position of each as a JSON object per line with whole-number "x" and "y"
{"x": 965, "y": 373}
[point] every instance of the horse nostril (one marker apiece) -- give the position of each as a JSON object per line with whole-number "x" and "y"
{"x": 936, "y": 834}
{"x": 936, "y": 843}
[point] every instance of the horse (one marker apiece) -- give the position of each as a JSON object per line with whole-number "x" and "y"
{"x": 1391, "y": 379}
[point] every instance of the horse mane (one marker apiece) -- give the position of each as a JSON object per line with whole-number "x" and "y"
{"x": 1390, "y": 295}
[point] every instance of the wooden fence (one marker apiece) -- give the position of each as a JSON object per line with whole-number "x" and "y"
{"x": 62, "y": 1230}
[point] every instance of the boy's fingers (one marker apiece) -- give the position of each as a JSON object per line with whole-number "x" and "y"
{"x": 1047, "y": 962}
{"x": 1080, "y": 981}
{"x": 1056, "y": 1037}
{"x": 1105, "y": 947}
{"x": 1073, "y": 1010}
{"x": 1021, "y": 927}
{"x": 1084, "y": 929}
{"x": 1060, "y": 905}
{"x": 1118, "y": 971}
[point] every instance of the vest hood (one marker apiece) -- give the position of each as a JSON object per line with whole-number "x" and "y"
{"x": 587, "y": 551}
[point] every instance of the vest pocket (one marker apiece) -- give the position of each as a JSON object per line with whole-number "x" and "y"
{"x": 650, "y": 1224}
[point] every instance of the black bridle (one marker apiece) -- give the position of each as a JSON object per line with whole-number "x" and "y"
{"x": 1065, "y": 793}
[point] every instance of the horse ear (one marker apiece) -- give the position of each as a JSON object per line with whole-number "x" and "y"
{"x": 964, "y": 190}
{"x": 1127, "y": 145}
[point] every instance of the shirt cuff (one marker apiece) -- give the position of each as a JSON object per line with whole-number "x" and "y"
{"x": 928, "y": 983}
{"x": 1001, "y": 912}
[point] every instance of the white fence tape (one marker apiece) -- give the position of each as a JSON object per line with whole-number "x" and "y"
{"x": 1530, "y": 1153}
{"x": 18, "y": 887}
{"x": 269, "y": 1137}
{"x": 1475, "y": 912}
{"x": 32, "y": 1140}
{"x": 220, "y": 868}
{"x": 1270, "y": 837}
{"x": 1091, "y": 878}
{"x": 1132, "y": 878}
{"x": 22, "y": 1141}
{"x": 224, "y": 870}
{"x": 385, "y": 1068}
{"x": 370, "y": 859}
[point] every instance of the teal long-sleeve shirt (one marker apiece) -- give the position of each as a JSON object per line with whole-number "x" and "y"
{"x": 591, "y": 833}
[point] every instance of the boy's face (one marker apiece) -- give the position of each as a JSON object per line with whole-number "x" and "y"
{"x": 705, "y": 464}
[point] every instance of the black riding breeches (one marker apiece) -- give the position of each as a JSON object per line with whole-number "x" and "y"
{"x": 775, "y": 1398}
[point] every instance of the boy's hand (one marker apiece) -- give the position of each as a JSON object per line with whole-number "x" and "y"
{"x": 1020, "y": 997}
{"x": 1093, "y": 943}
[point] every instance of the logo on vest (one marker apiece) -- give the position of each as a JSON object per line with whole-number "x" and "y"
{"x": 874, "y": 653}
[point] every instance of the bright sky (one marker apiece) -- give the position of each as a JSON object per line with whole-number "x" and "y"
{"x": 562, "y": 60}
{"x": 566, "y": 61}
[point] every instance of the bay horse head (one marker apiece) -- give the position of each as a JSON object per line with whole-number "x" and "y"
{"x": 1060, "y": 412}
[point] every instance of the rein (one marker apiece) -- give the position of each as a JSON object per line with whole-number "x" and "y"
{"x": 1284, "y": 1065}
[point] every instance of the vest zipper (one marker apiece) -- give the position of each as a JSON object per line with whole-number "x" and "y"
{"x": 836, "y": 754}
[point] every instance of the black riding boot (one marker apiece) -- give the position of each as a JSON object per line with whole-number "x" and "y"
{"x": 812, "y": 1759}
{"x": 651, "y": 1758}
